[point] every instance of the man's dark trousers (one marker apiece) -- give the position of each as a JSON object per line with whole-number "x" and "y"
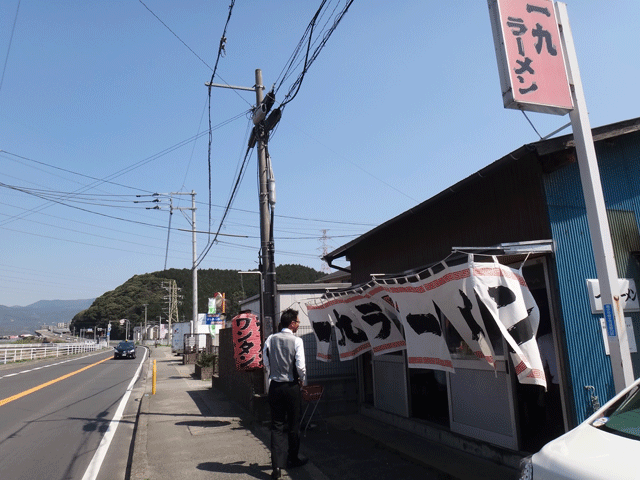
{"x": 284, "y": 400}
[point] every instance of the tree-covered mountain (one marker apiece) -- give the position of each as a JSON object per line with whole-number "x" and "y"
{"x": 128, "y": 300}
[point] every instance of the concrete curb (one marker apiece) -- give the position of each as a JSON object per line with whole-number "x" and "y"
{"x": 139, "y": 462}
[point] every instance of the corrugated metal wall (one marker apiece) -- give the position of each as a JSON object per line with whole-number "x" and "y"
{"x": 619, "y": 162}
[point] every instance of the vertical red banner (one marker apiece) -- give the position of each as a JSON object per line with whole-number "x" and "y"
{"x": 247, "y": 341}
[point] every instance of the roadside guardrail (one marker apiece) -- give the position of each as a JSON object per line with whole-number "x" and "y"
{"x": 10, "y": 353}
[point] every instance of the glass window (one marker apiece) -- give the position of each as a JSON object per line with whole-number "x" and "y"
{"x": 624, "y": 418}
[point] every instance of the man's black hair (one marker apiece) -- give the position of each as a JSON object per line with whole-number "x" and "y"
{"x": 288, "y": 316}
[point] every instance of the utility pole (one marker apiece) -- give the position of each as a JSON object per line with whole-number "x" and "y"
{"x": 266, "y": 221}
{"x": 260, "y": 135}
{"x": 194, "y": 273}
{"x": 172, "y": 311}
{"x": 144, "y": 337}
{"x": 195, "y": 263}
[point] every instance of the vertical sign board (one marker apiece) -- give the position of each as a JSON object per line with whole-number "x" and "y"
{"x": 531, "y": 64}
{"x": 531, "y": 54}
{"x": 247, "y": 342}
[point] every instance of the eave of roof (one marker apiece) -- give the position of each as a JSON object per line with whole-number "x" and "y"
{"x": 541, "y": 148}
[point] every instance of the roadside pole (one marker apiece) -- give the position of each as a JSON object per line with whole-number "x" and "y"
{"x": 266, "y": 197}
{"x": 596, "y": 214}
{"x": 266, "y": 227}
{"x": 144, "y": 336}
{"x": 153, "y": 378}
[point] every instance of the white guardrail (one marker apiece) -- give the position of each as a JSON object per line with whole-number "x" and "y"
{"x": 15, "y": 353}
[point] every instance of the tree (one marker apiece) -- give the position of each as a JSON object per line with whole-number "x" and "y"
{"x": 127, "y": 300}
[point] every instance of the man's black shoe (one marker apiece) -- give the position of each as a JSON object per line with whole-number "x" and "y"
{"x": 277, "y": 473}
{"x": 297, "y": 462}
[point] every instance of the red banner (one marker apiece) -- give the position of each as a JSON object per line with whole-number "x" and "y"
{"x": 247, "y": 341}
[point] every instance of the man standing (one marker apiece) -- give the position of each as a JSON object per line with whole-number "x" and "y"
{"x": 283, "y": 357}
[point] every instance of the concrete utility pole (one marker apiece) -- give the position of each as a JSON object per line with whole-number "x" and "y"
{"x": 266, "y": 227}
{"x": 194, "y": 255}
{"x": 195, "y": 264}
{"x": 144, "y": 337}
{"x": 194, "y": 275}
{"x": 266, "y": 199}
{"x": 172, "y": 288}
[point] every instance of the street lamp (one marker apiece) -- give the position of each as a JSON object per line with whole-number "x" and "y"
{"x": 126, "y": 331}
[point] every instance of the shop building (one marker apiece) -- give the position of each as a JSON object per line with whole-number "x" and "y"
{"x": 528, "y": 210}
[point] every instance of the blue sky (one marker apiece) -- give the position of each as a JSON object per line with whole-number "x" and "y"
{"x": 100, "y": 102}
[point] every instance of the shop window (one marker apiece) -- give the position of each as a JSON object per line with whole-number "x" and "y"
{"x": 428, "y": 395}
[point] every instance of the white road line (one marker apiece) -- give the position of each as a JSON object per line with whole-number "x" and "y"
{"x": 101, "y": 452}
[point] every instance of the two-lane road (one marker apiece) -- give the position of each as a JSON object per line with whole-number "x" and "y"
{"x": 55, "y": 413}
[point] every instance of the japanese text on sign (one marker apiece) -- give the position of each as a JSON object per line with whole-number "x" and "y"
{"x": 247, "y": 346}
{"x": 530, "y": 60}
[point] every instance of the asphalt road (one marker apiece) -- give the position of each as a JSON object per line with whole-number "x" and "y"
{"x": 54, "y": 414}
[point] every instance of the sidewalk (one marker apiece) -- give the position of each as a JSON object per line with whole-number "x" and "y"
{"x": 188, "y": 430}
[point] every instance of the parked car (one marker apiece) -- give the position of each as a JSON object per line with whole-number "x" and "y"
{"x": 602, "y": 447}
{"x": 125, "y": 350}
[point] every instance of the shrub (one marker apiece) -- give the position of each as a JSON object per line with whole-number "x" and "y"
{"x": 205, "y": 359}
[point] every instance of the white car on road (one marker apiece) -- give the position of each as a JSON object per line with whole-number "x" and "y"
{"x": 605, "y": 446}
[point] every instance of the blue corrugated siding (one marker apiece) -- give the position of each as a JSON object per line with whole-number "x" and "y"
{"x": 620, "y": 170}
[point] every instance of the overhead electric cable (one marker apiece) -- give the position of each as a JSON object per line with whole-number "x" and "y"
{"x": 86, "y": 224}
{"x": 6, "y": 58}
{"x": 119, "y": 173}
{"x": 11, "y": 187}
{"x": 69, "y": 171}
{"x": 143, "y": 252}
{"x": 226, "y": 211}
{"x": 174, "y": 34}
{"x": 221, "y": 48}
{"x": 309, "y": 58}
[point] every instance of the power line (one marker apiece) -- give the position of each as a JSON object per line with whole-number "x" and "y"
{"x": 6, "y": 59}
{"x": 221, "y": 48}
{"x": 310, "y": 56}
{"x": 174, "y": 34}
{"x": 229, "y": 203}
{"x": 92, "y": 225}
{"x": 72, "y": 206}
{"x": 109, "y": 178}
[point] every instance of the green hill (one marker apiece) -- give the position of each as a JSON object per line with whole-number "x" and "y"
{"x": 127, "y": 300}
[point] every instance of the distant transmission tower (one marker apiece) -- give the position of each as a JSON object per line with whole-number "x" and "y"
{"x": 324, "y": 268}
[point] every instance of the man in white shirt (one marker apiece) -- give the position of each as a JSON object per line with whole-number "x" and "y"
{"x": 283, "y": 357}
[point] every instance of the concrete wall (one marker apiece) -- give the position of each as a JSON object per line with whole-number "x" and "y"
{"x": 247, "y": 388}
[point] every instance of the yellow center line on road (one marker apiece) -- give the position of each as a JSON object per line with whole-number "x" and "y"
{"x": 50, "y": 382}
